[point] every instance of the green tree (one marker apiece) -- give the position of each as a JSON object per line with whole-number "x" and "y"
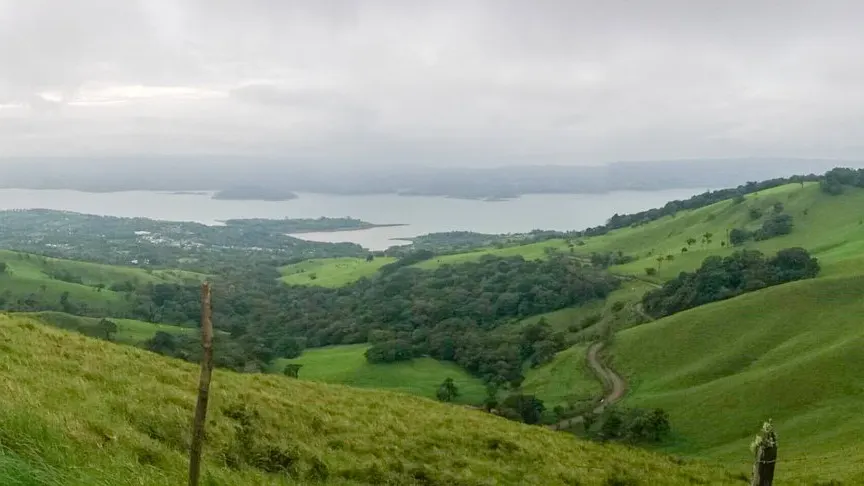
{"x": 527, "y": 407}
{"x": 691, "y": 241}
{"x": 3, "y": 267}
{"x": 447, "y": 391}
{"x": 108, "y": 328}
{"x": 292, "y": 370}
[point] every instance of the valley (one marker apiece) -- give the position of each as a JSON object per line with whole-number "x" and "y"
{"x": 717, "y": 333}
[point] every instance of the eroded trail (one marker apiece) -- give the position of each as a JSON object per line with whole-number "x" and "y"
{"x": 613, "y": 384}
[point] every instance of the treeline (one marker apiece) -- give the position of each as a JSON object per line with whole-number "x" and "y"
{"x": 723, "y": 278}
{"x": 446, "y": 313}
{"x": 836, "y": 179}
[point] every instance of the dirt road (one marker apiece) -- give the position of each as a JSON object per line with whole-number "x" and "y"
{"x": 614, "y": 386}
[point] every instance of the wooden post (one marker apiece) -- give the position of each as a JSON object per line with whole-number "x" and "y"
{"x": 203, "y": 387}
{"x": 765, "y": 448}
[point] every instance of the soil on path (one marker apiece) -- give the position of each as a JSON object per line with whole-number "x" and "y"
{"x": 614, "y": 385}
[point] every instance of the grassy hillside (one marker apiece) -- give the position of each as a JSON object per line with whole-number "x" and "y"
{"x": 565, "y": 380}
{"x": 791, "y": 353}
{"x": 347, "y": 365}
{"x": 331, "y": 272}
{"x": 77, "y": 411}
{"x": 28, "y": 274}
{"x": 129, "y": 331}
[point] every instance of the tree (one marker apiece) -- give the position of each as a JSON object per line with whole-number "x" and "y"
{"x": 739, "y": 236}
{"x": 683, "y": 250}
{"x": 660, "y": 259}
{"x": 706, "y": 238}
{"x": 650, "y": 271}
{"x": 292, "y": 370}
{"x": 611, "y": 427}
{"x": 3, "y": 267}
{"x": 669, "y": 258}
{"x": 107, "y": 328}
{"x": 691, "y": 241}
{"x": 370, "y": 257}
{"x": 528, "y": 407}
{"x": 447, "y": 391}
{"x": 100, "y": 287}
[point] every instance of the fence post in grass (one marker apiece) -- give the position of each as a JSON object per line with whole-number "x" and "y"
{"x": 765, "y": 448}
{"x": 203, "y": 387}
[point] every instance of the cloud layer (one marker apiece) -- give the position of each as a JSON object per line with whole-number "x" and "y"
{"x": 446, "y": 82}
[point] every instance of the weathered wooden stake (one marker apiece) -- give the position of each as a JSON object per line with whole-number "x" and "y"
{"x": 203, "y": 387}
{"x": 765, "y": 448}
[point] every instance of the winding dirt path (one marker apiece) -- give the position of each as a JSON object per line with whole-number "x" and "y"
{"x": 614, "y": 385}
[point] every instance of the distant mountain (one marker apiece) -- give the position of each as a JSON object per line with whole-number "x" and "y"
{"x": 187, "y": 173}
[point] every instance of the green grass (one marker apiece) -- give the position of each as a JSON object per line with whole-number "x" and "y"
{"x": 78, "y": 411}
{"x": 28, "y": 274}
{"x": 331, "y": 272}
{"x": 566, "y": 379}
{"x": 792, "y": 353}
{"x": 129, "y": 331}
{"x": 347, "y": 365}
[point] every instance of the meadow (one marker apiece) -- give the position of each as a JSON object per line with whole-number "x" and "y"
{"x": 78, "y": 411}
{"x": 331, "y": 272}
{"x": 129, "y": 331}
{"x": 27, "y": 274}
{"x": 347, "y": 365}
{"x": 791, "y": 353}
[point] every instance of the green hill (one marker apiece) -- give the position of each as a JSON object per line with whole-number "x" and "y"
{"x": 347, "y": 365}
{"x": 47, "y": 279}
{"x": 78, "y": 411}
{"x": 129, "y": 331}
{"x": 791, "y": 353}
{"x": 331, "y": 272}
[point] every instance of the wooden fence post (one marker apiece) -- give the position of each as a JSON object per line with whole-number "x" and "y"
{"x": 765, "y": 448}
{"x": 203, "y": 387}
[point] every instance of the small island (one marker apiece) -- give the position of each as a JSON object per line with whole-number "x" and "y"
{"x": 303, "y": 225}
{"x": 254, "y": 193}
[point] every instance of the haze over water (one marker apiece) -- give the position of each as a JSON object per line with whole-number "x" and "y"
{"x": 421, "y": 214}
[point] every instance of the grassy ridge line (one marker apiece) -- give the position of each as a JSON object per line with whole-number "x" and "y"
{"x": 347, "y": 365}
{"x": 791, "y": 353}
{"x": 78, "y": 411}
{"x": 28, "y": 274}
{"x": 129, "y": 331}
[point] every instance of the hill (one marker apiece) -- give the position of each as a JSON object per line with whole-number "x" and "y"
{"x": 78, "y": 411}
{"x": 331, "y": 272}
{"x": 347, "y": 365}
{"x": 791, "y": 353}
{"x": 129, "y": 331}
{"x": 47, "y": 279}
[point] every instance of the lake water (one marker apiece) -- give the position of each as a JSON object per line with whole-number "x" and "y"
{"x": 421, "y": 214}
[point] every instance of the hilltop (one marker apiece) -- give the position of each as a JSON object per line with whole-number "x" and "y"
{"x": 78, "y": 411}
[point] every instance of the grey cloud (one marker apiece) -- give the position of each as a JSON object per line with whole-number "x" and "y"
{"x": 449, "y": 82}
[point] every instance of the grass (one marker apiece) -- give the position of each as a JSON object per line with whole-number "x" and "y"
{"x": 331, "y": 272}
{"x": 791, "y": 353}
{"x": 129, "y": 331}
{"x": 28, "y": 274}
{"x": 78, "y": 411}
{"x": 347, "y": 365}
{"x": 565, "y": 380}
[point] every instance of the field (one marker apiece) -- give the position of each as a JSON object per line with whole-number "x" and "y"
{"x": 331, "y": 272}
{"x": 347, "y": 365}
{"x": 78, "y": 411}
{"x": 129, "y": 331}
{"x": 28, "y": 274}
{"x": 791, "y": 353}
{"x": 565, "y": 380}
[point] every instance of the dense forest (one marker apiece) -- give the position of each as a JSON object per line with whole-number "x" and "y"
{"x": 446, "y": 313}
{"x": 723, "y": 278}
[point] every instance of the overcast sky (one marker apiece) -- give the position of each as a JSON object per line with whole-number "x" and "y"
{"x": 457, "y": 83}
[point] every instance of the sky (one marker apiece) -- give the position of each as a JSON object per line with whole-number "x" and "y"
{"x": 455, "y": 83}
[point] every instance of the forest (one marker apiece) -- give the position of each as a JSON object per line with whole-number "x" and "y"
{"x": 723, "y": 278}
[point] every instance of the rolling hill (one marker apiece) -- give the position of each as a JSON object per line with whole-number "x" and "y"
{"x": 347, "y": 365}
{"x": 88, "y": 283}
{"x": 331, "y": 272}
{"x": 791, "y": 353}
{"x": 78, "y": 411}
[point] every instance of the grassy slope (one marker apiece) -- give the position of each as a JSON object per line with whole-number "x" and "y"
{"x": 77, "y": 411}
{"x": 331, "y": 272}
{"x": 347, "y": 365}
{"x": 129, "y": 331}
{"x": 27, "y": 274}
{"x": 791, "y": 353}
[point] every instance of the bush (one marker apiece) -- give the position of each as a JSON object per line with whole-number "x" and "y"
{"x": 650, "y": 271}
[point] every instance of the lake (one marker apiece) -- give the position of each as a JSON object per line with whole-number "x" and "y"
{"x": 421, "y": 214}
